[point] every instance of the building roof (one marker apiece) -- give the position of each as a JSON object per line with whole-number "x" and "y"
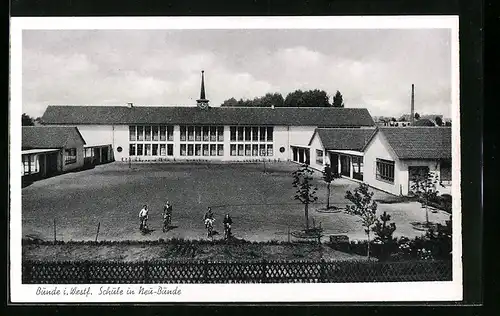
{"x": 49, "y": 136}
{"x": 288, "y": 116}
{"x": 419, "y": 142}
{"x": 424, "y": 122}
{"x": 345, "y": 138}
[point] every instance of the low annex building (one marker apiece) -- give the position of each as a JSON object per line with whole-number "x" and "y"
{"x": 386, "y": 158}
{"x": 49, "y": 150}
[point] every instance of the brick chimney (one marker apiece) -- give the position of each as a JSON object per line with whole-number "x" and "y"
{"x": 412, "y": 110}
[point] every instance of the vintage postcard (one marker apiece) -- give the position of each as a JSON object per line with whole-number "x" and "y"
{"x": 256, "y": 159}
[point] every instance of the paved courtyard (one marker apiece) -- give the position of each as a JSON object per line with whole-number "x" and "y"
{"x": 261, "y": 204}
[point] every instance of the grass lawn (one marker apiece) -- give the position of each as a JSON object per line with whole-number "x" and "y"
{"x": 261, "y": 205}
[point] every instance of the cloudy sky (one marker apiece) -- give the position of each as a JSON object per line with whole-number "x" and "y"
{"x": 371, "y": 68}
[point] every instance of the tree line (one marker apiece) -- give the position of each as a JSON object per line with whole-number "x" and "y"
{"x": 298, "y": 98}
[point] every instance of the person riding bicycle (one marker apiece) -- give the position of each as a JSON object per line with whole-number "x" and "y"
{"x": 208, "y": 219}
{"x": 228, "y": 221}
{"x": 167, "y": 215}
{"x": 143, "y": 217}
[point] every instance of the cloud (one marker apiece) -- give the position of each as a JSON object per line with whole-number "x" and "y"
{"x": 372, "y": 69}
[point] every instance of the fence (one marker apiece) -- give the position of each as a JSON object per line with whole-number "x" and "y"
{"x": 87, "y": 272}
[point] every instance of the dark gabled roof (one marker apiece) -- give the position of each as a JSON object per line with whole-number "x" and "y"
{"x": 323, "y": 117}
{"x": 424, "y": 122}
{"x": 35, "y": 137}
{"x": 419, "y": 142}
{"x": 345, "y": 138}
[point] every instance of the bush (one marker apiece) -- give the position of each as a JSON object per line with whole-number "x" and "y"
{"x": 436, "y": 244}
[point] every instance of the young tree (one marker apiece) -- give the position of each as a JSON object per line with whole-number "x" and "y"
{"x": 425, "y": 185}
{"x": 383, "y": 231}
{"x": 338, "y": 100}
{"x": 329, "y": 174}
{"x": 363, "y": 207}
{"x": 306, "y": 191}
{"x": 416, "y": 116}
{"x": 27, "y": 120}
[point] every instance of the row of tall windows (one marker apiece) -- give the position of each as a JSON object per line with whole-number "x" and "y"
{"x": 151, "y": 133}
{"x": 202, "y": 133}
{"x": 251, "y": 134}
{"x": 202, "y": 150}
{"x": 254, "y": 150}
{"x": 151, "y": 150}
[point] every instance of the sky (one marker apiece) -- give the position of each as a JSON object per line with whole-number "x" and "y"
{"x": 372, "y": 68}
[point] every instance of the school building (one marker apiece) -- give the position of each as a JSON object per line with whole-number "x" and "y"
{"x": 386, "y": 158}
{"x": 346, "y": 138}
{"x": 50, "y": 150}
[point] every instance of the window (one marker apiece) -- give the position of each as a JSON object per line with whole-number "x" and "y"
{"x": 119, "y": 149}
{"x": 69, "y": 156}
{"x": 240, "y": 150}
{"x": 147, "y": 149}
{"x": 233, "y": 150}
{"x": 155, "y": 133}
{"x": 270, "y": 150}
{"x": 262, "y": 150}
{"x": 213, "y": 150}
{"x": 248, "y": 132}
{"x": 385, "y": 170}
{"x": 255, "y": 150}
{"x": 132, "y": 133}
{"x": 183, "y": 133}
{"x": 140, "y": 148}
{"x": 147, "y": 131}
{"x": 131, "y": 150}
{"x": 190, "y": 150}
{"x": 197, "y": 133}
{"x": 295, "y": 154}
{"x": 88, "y": 152}
{"x": 170, "y": 133}
{"x": 30, "y": 164}
{"x": 205, "y": 149}
{"x": 197, "y": 148}
{"x": 163, "y": 150}
{"x": 170, "y": 149}
{"x": 319, "y": 157}
{"x": 220, "y": 150}
{"x": 240, "y": 133}
{"x": 190, "y": 133}
{"x": 220, "y": 133}
{"x": 282, "y": 149}
{"x": 270, "y": 134}
{"x": 262, "y": 134}
{"x": 213, "y": 133}
{"x": 248, "y": 150}
{"x": 205, "y": 133}
{"x": 163, "y": 133}
{"x": 183, "y": 149}
{"x": 232, "y": 130}
{"x": 255, "y": 134}
{"x": 155, "y": 149}
{"x": 140, "y": 133}
{"x": 445, "y": 171}
{"x": 357, "y": 168}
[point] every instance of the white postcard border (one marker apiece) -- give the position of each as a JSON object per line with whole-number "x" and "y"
{"x": 335, "y": 292}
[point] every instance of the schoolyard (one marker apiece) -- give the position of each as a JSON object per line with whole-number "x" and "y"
{"x": 261, "y": 204}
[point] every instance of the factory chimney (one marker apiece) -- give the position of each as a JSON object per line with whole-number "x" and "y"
{"x": 412, "y": 114}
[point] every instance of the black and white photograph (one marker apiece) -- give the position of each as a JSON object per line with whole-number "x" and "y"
{"x": 226, "y": 159}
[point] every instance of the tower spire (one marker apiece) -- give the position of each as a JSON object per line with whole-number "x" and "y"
{"x": 202, "y": 101}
